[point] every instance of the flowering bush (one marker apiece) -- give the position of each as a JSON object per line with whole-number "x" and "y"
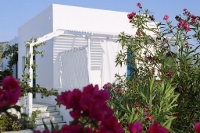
{"x": 153, "y": 102}
{"x": 170, "y": 54}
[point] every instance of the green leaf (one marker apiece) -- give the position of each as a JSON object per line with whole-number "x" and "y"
{"x": 52, "y": 126}
{"x": 45, "y": 126}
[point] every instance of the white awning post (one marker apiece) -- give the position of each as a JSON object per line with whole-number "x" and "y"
{"x": 30, "y": 95}
{"x": 89, "y": 57}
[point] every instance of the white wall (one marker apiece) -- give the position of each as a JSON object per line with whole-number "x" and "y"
{"x": 86, "y": 19}
{"x": 44, "y": 70}
{"x": 34, "y": 28}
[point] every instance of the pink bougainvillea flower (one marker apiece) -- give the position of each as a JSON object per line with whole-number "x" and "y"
{"x": 156, "y": 128}
{"x": 71, "y": 99}
{"x": 10, "y": 83}
{"x": 110, "y": 125}
{"x": 166, "y": 17}
{"x": 185, "y": 9}
{"x": 87, "y": 103}
{"x": 11, "y": 97}
{"x": 139, "y": 5}
{"x": 197, "y": 127}
{"x": 74, "y": 129}
{"x": 10, "y": 92}
{"x": 135, "y": 127}
{"x": 131, "y": 15}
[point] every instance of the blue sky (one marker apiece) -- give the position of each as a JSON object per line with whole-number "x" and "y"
{"x": 15, "y": 13}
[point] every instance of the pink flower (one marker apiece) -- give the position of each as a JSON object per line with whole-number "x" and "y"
{"x": 166, "y": 17}
{"x": 186, "y": 27}
{"x": 185, "y": 9}
{"x": 88, "y": 103}
{"x": 168, "y": 54}
{"x": 107, "y": 86}
{"x": 110, "y": 125}
{"x": 156, "y": 128}
{"x": 194, "y": 21}
{"x": 11, "y": 97}
{"x": 146, "y": 108}
{"x": 10, "y": 83}
{"x": 153, "y": 70}
{"x": 135, "y": 127}
{"x": 138, "y": 33}
{"x": 46, "y": 131}
{"x": 181, "y": 23}
{"x": 193, "y": 16}
{"x": 146, "y": 114}
{"x": 71, "y": 100}
{"x": 10, "y": 92}
{"x": 36, "y": 131}
{"x": 149, "y": 57}
{"x": 119, "y": 90}
{"x": 136, "y": 111}
{"x": 188, "y": 14}
{"x": 72, "y": 129}
{"x": 149, "y": 118}
{"x": 139, "y": 5}
{"x": 169, "y": 74}
{"x": 131, "y": 15}
{"x": 197, "y": 127}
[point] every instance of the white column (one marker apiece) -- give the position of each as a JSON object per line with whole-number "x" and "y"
{"x": 89, "y": 57}
{"x": 30, "y": 95}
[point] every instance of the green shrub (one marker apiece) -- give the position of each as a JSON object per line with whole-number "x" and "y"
{"x": 8, "y": 124}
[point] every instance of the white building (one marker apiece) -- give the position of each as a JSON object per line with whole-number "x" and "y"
{"x": 80, "y": 46}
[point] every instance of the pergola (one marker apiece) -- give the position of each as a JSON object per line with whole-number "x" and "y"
{"x": 72, "y": 38}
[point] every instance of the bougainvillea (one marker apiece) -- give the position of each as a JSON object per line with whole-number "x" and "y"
{"x": 9, "y": 92}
